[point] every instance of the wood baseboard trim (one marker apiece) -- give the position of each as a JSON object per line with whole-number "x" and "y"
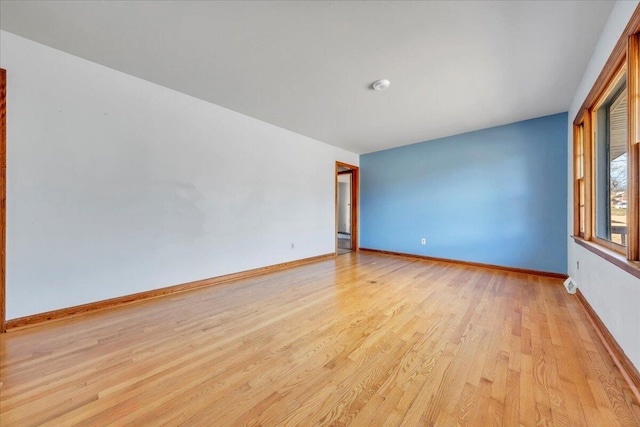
{"x": 468, "y": 263}
{"x": 628, "y": 371}
{"x": 64, "y": 313}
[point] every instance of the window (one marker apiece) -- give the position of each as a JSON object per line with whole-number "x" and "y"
{"x": 579, "y": 187}
{"x": 611, "y": 165}
{"x": 606, "y": 155}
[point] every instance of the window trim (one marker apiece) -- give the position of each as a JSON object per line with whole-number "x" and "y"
{"x": 631, "y": 267}
{"x": 581, "y": 138}
{"x": 633, "y": 180}
{"x": 599, "y": 103}
{"x": 625, "y": 58}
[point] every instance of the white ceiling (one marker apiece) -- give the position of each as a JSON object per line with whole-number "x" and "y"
{"x": 308, "y": 66}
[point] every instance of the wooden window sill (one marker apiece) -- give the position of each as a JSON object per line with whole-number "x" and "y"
{"x": 619, "y": 260}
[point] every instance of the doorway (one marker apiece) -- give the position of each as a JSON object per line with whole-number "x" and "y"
{"x": 346, "y": 208}
{"x": 3, "y": 193}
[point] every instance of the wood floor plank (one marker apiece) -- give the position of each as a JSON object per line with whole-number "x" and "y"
{"x": 363, "y": 340}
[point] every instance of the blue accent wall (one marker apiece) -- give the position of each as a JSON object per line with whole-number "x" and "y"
{"x": 494, "y": 196}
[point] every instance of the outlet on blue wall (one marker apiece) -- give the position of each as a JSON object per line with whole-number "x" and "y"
{"x": 494, "y": 196}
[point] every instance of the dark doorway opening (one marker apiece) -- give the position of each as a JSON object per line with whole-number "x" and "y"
{"x": 346, "y": 208}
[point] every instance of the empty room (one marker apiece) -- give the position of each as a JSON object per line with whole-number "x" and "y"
{"x": 315, "y": 213}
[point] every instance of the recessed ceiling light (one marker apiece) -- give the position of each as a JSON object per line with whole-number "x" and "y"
{"x": 380, "y": 84}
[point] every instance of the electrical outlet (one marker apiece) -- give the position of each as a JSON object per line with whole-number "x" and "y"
{"x": 293, "y": 245}
{"x": 423, "y": 241}
{"x": 578, "y": 265}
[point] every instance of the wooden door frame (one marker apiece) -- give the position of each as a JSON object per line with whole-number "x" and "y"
{"x": 3, "y": 194}
{"x": 355, "y": 198}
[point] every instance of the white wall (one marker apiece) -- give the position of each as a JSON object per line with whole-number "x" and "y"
{"x": 116, "y": 185}
{"x": 613, "y": 293}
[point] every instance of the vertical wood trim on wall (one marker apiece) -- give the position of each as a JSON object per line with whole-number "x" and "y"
{"x": 3, "y": 193}
{"x": 633, "y": 61}
{"x": 355, "y": 208}
{"x": 588, "y": 177}
{"x": 355, "y": 197}
{"x": 576, "y": 183}
{"x": 335, "y": 208}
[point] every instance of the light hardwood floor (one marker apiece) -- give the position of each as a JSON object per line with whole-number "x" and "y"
{"x": 361, "y": 340}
